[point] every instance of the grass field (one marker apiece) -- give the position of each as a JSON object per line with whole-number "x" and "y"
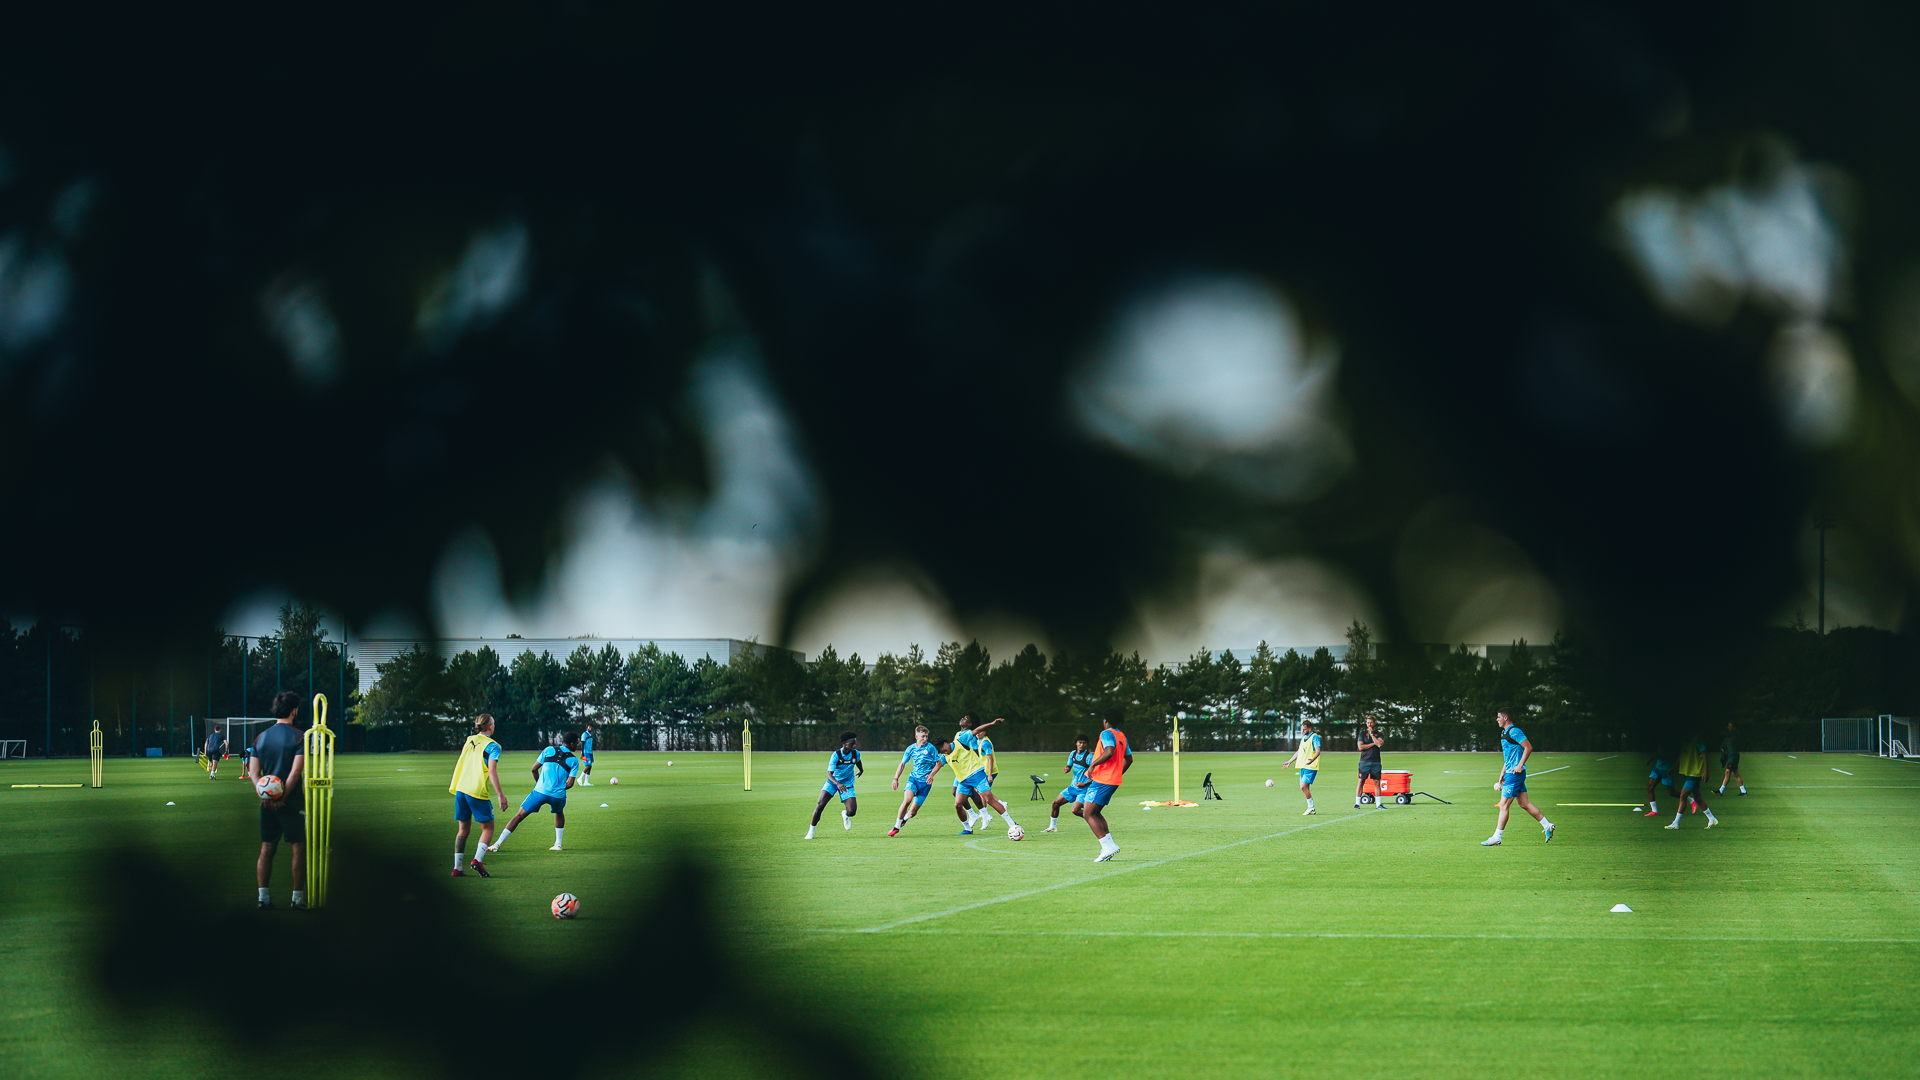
{"x": 1233, "y": 939}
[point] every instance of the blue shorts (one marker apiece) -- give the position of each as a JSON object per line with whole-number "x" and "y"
{"x": 1512, "y": 784}
{"x": 1307, "y": 775}
{"x": 537, "y": 799}
{"x": 1073, "y": 793}
{"x": 1689, "y": 783}
{"x": 919, "y": 787}
{"x": 587, "y": 757}
{"x": 1665, "y": 776}
{"x": 468, "y": 808}
{"x": 1099, "y": 794}
{"x": 978, "y": 783}
{"x": 844, "y": 795}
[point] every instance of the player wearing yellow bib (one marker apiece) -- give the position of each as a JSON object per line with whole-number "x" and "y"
{"x": 476, "y": 782}
{"x": 1307, "y": 760}
{"x": 970, "y": 774}
{"x": 1692, "y": 767}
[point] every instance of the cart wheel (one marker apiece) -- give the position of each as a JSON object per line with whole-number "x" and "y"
{"x": 1403, "y": 799}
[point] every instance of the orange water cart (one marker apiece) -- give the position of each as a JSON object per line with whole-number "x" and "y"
{"x": 1395, "y": 782}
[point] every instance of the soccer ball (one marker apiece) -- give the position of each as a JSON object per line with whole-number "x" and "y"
{"x": 270, "y": 787}
{"x": 669, "y": 764}
{"x": 1269, "y": 783}
{"x": 1016, "y": 833}
{"x": 614, "y": 780}
{"x": 566, "y": 906}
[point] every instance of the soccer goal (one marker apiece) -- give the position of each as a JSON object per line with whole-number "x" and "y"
{"x": 1847, "y": 734}
{"x": 1895, "y": 736}
{"x": 241, "y": 730}
{"x": 13, "y": 748}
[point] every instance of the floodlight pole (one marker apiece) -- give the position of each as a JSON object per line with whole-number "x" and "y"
{"x": 49, "y": 696}
{"x": 1821, "y": 524}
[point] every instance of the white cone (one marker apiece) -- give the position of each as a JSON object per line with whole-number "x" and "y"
{"x": 603, "y": 806}
{"x": 1623, "y": 908}
{"x": 169, "y": 804}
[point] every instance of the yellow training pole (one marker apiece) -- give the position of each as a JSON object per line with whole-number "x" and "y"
{"x": 1176, "y": 759}
{"x": 99, "y": 757}
{"x": 318, "y": 747}
{"x": 746, "y": 752}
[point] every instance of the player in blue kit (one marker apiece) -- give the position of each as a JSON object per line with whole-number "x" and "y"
{"x": 971, "y": 774}
{"x": 1515, "y": 749}
{"x": 843, "y": 765}
{"x": 586, "y": 755}
{"x": 554, "y": 771}
{"x": 926, "y": 760}
{"x": 1076, "y": 789}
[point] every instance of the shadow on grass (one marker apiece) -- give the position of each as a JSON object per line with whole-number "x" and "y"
{"x": 398, "y": 970}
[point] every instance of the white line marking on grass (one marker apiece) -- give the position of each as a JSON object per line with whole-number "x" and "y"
{"x": 1024, "y": 893}
{"x": 1394, "y": 937}
{"x": 1544, "y": 772}
{"x": 1609, "y": 757}
{"x": 1843, "y": 771}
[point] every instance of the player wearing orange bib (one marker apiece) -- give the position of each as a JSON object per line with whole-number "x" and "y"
{"x": 1111, "y": 760}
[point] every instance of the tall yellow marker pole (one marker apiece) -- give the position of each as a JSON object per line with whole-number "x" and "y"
{"x": 98, "y": 754}
{"x": 746, "y": 751}
{"x": 318, "y": 747}
{"x": 1176, "y": 758}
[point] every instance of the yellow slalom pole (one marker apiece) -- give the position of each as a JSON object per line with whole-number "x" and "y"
{"x": 746, "y": 751}
{"x": 1176, "y": 758}
{"x": 318, "y": 746}
{"x": 99, "y": 756}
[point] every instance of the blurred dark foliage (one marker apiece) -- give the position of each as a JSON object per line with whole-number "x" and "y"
{"x": 923, "y": 220}
{"x": 668, "y": 979}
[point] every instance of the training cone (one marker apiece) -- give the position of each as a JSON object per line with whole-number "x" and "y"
{"x": 1623, "y": 909}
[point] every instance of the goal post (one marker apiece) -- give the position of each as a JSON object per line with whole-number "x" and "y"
{"x": 13, "y": 748}
{"x": 1894, "y": 736}
{"x": 1847, "y": 734}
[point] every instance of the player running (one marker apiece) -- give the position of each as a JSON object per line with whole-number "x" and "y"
{"x": 281, "y": 751}
{"x": 475, "y": 784}
{"x": 1660, "y": 775}
{"x": 1515, "y": 749}
{"x": 1104, "y": 775}
{"x": 1730, "y": 763}
{"x": 970, "y": 765}
{"x": 554, "y": 771}
{"x": 1076, "y": 789}
{"x": 843, "y": 765}
{"x": 216, "y": 746}
{"x": 926, "y": 760}
{"x": 1691, "y": 766}
{"x": 586, "y": 755}
{"x": 1306, "y": 758}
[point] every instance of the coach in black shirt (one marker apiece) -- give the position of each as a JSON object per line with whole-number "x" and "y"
{"x": 1370, "y": 744}
{"x": 281, "y": 751}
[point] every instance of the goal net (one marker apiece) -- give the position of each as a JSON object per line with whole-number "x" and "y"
{"x": 1847, "y": 735}
{"x": 13, "y": 748}
{"x": 1896, "y": 736}
{"x": 241, "y": 730}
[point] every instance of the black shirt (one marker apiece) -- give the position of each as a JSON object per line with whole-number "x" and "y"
{"x": 1368, "y": 751}
{"x": 275, "y": 749}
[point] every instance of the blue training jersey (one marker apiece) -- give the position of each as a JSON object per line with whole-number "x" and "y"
{"x": 1077, "y": 763}
{"x": 1510, "y": 748}
{"x": 556, "y": 766}
{"x": 840, "y": 765}
{"x": 986, "y": 746}
{"x": 923, "y": 758}
{"x": 586, "y": 743}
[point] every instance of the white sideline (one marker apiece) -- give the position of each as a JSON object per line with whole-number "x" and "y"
{"x": 1024, "y": 893}
{"x": 1403, "y": 937}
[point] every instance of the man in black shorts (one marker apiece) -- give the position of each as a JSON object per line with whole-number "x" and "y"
{"x": 281, "y": 751}
{"x": 1370, "y": 744}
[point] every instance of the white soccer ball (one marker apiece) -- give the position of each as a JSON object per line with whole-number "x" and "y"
{"x": 1269, "y": 783}
{"x": 669, "y": 764}
{"x": 1016, "y": 833}
{"x": 614, "y": 780}
{"x": 270, "y": 787}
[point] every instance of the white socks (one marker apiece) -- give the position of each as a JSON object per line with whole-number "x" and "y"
{"x": 846, "y": 821}
{"x": 1309, "y": 804}
{"x": 504, "y": 833}
{"x": 264, "y": 894}
{"x": 1497, "y": 833}
{"x": 458, "y": 858}
{"x": 899, "y": 823}
{"x": 1053, "y": 821}
{"x": 809, "y": 832}
{"x": 479, "y": 853}
{"x": 1709, "y": 814}
{"x": 1652, "y": 807}
{"x": 558, "y": 835}
{"x": 1743, "y": 789}
{"x": 299, "y": 897}
{"x": 1008, "y": 818}
{"x": 1107, "y": 844}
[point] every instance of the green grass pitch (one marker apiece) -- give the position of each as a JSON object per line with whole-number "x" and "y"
{"x": 1232, "y": 939}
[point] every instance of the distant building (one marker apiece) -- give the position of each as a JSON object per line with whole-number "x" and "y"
{"x": 370, "y": 653}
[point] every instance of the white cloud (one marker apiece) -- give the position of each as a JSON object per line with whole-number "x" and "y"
{"x": 1237, "y": 602}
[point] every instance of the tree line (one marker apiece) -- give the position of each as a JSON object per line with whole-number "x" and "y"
{"x": 1426, "y": 697}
